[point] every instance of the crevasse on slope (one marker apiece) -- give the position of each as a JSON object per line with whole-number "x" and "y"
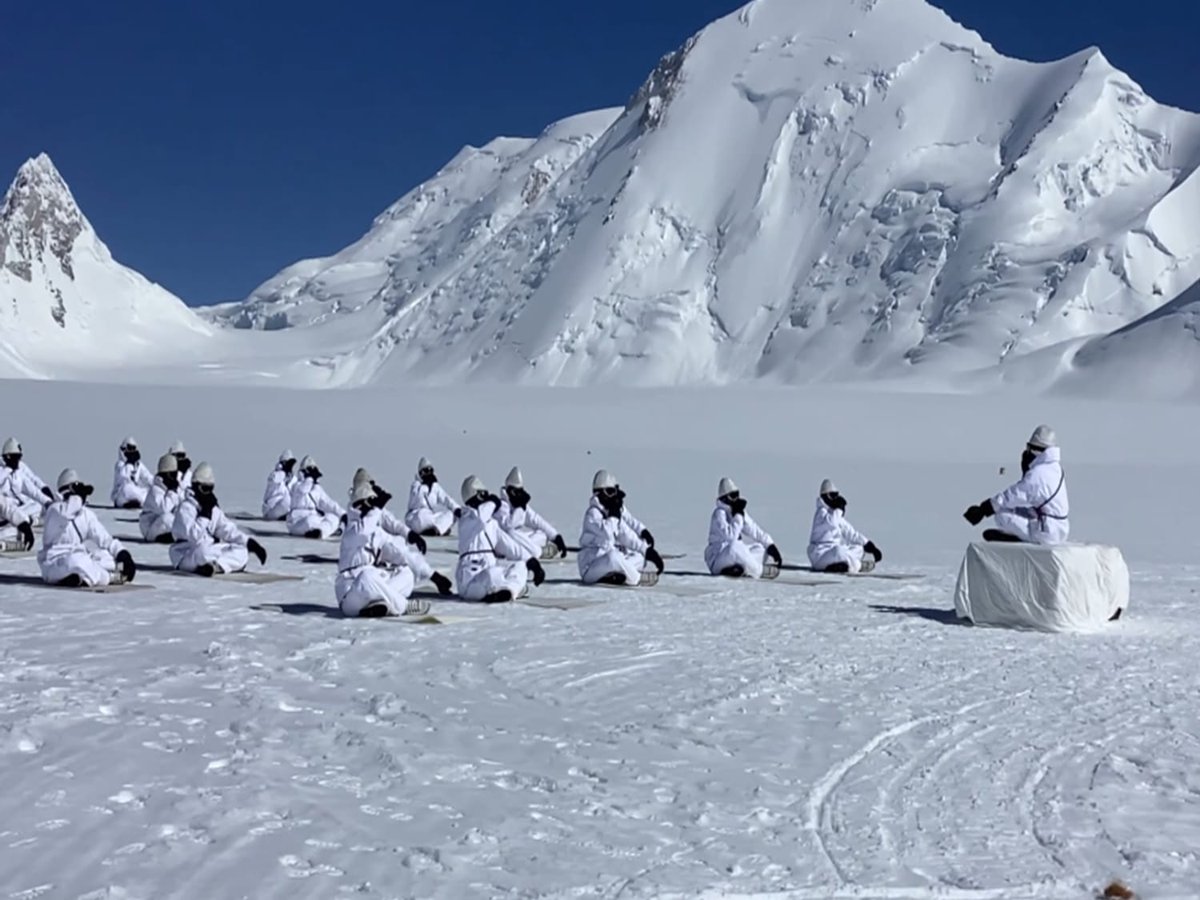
{"x": 838, "y": 189}
{"x": 66, "y": 306}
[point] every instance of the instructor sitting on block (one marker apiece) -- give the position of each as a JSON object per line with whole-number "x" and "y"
{"x": 1034, "y": 510}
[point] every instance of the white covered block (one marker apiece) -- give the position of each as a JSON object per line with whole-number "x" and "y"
{"x": 1069, "y": 587}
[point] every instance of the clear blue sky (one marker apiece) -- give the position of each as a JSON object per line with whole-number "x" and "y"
{"x": 213, "y": 142}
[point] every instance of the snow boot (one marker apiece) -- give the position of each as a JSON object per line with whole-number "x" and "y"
{"x": 734, "y": 571}
{"x": 837, "y": 568}
{"x": 117, "y": 577}
{"x": 649, "y": 577}
{"x": 164, "y": 539}
{"x": 205, "y": 571}
{"x": 996, "y": 536}
{"x": 616, "y": 579}
{"x": 376, "y": 609}
{"x": 431, "y": 532}
{"x": 867, "y": 565}
{"x": 313, "y": 534}
{"x": 71, "y": 581}
{"x": 770, "y": 571}
{"x": 417, "y": 607}
{"x": 504, "y": 596}
{"x": 131, "y": 504}
{"x": 550, "y": 552}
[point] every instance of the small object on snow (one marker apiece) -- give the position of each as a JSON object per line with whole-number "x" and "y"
{"x": 770, "y": 571}
{"x": 1117, "y": 890}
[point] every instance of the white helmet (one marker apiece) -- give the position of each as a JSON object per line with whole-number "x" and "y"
{"x": 1043, "y": 438}
{"x": 422, "y": 464}
{"x": 11, "y": 446}
{"x": 726, "y": 487}
{"x": 362, "y": 476}
{"x": 828, "y": 487}
{"x": 204, "y": 475}
{"x": 603, "y": 480}
{"x": 67, "y": 477}
{"x": 308, "y": 463}
{"x": 287, "y": 456}
{"x": 471, "y": 486}
{"x": 362, "y": 492}
{"x": 168, "y": 463}
{"x": 514, "y": 479}
{"x": 129, "y": 444}
{"x": 177, "y": 447}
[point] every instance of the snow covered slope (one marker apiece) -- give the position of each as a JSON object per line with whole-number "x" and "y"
{"x": 66, "y": 306}
{"x": 845, "y": 189}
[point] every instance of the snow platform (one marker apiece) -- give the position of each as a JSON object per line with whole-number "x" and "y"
{"x": 243, "y": 577}
{"x": 564, "y": 603}
{"x": 35, "y": 581}
{"x": 1071, "y": 587}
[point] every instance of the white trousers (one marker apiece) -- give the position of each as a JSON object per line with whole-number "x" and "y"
{"x": 487, "y": 580}
{"x": 359, "y": 588}
{"x": 738, "y": 553}
{"x": 277, "y": 511}
{"x": 94, "y": 566}
{"x": 301, "y": 523}
{"x": 127, "y": 491}
{"x": 605, "y": 564}
{"x": 824, "y": 557}
{"x": 155, "y": 526}
{"x": 421, "y": 520}
{"x": 224, "y": 558}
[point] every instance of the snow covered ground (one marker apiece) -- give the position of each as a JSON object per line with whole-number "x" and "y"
{"x": 838, "y": 739}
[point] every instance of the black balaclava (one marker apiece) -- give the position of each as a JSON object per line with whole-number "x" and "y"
{"x": 612, "y": 500}
{"x": 12, "y": 460}
{"x": 133, "y": 455}
{"x": 735, "y": 502}
{"x": 184, "y": 463}
{"x": 834, "y": 501}
{"x": 78, "y": 489}
{"x": 478, "y": 499}
{"x": 1031, "y": 453}
{"x": 517, "y": 496}
{"x": 428, "y": 477}
{"x": 170, "y": 480}
{"x": 288, "y": 465}
{"x": 314, "y": 473}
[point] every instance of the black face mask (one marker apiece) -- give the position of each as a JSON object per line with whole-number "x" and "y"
{"x": 12, "y": 460}
{"x": 170, "y": 480}
{"x": 428, "y": 477}
{"x": 133, "y": 457}
{"x": 288, "y": 466}
{"x": 184, "y": 462}
{"x": 612, "y": 501}
{"x": 362, "y": 507}
{"x": 314, "y": 474}
{"x": 82, "y": 491}
{"x": 1027, "y": 459}
{"x": 478, "y": 500}
{"x": 834, "y": 501}
{"x": 518, "y": 497}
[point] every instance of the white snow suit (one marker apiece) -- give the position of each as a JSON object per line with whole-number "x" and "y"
{"x": 277, "y": 498}
{"x": 526, "y": 526}
{"x": 10, "y": 517}
{"x": 313, "y": 510}
{"x": 24, "y": 488}
{"x": 131, "y": 481}
{"x": 185, "y": 481}
{"x": 1036, "y": 508}
{"x": 834, "y": 540}
{"x": 611, "y": 544}
{"x": 75, "y": 543}
{"x": 202, "y": 540}
{"x": 374, "y": 566}
{"x": 158, "y": 514}
{"x": 429, "y": 506}
{"x": 489, "y": 558}
{"x": 735, "y": 540}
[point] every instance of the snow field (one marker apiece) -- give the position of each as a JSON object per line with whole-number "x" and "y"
{"x": 843, "y": 738}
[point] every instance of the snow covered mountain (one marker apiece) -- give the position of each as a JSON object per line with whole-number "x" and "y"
{"x": 66, "y": 306}
{"x": 840, "y": 189}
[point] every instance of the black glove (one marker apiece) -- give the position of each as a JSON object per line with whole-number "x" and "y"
{"x": 738, "y": 506}
{"x": 417, "y": 541}
{"x": 382, "y": 497}
{"x": 492, "y": 498}
{"x": 977, "y": 514}
{"x": 85, "y": 491}
{"x": 457, "y": 513}
{"x": 870, "y": 547}
{"x": 207, "y": 503}
{"x": 25, "y": 530}
{"x": 560, "y": 544}
{"x": 442, "y": 583}
{"x": 258, "y": 550}
{"x": 48, "y": 494}
{"x": 647, "y": 537}
{"x": 125, "y": 561}
{"x": 773, "y": 553}
{"x": 536, "y": 570}
{"x": 655, "y": 560}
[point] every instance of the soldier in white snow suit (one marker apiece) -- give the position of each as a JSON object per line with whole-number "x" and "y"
{"x": 131, "y": 478}
{"x": 185, "y": 465}
{"x": 1035, "y": 510}
{"x": 614, "y": 547}
{"x": 16, "y": 531}
{"x": 314, "y": 513}
{"x": 493, "y": 567}
{"x": 389, "y": 521}
{"x": 836, "y": 546}
{"x": 737, "y": 546}
{"x": 21, "y": 484}
{"x": 157, "y": 519}
{"x": 522, "y": 521}
{"x": 77, "y": 551}
{"x": 206, "y": 542}
{"x": 376, "y": 572}
{"x": 431, "y": 511}
{"x": 277, "y": 498}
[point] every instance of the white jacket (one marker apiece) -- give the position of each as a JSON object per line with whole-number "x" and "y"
{"x": 72, "y": 527}
{"x": 127, "y": 473}
{"x": 10, "y": 512}
{"x": 21, "y": 483}
{"x": 308, "y": 497}
{"x": 602, "y": 534}
{"x": 199, "y": 531}
{"x": 831, "y": 530}
{"x": 432, "y": 497}
{"x": 726, "y": 529}
{"x": 515, "y": 518}
{"x": 278, "y": 494}
{"x": 482, "y": 542}
{"x": 366, "y": 542}
{"x": 1040, "y": 496}
{"x": 158, "y": 513}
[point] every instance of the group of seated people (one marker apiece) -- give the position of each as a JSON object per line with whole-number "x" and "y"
{"x": 501, "y": 539}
